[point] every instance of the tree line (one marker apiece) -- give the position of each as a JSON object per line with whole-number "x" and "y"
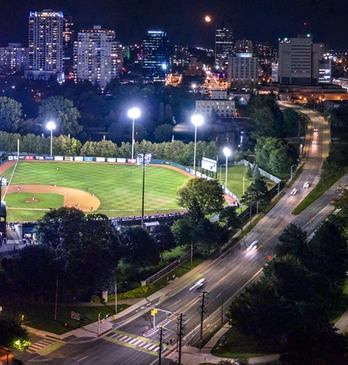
{"x": 292, "y": 305}
{"x": 68, "y": 146}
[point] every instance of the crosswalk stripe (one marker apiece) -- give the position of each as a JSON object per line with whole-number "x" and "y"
{"x": 136, "y": 343}
{"x": 133, "y": 340}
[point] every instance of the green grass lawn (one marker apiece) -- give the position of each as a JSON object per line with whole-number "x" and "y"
{"x": 235, "y": 345}
{"x": 235, "y": 179}
{"x": 22, "y": 206}
{"x": 41, "y": 316}
{"x": 118, "y": 187}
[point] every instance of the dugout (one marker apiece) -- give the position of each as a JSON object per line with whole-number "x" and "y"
{"x": 3, "y": 214}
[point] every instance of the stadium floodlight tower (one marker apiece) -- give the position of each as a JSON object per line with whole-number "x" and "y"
{"x": 228, "y": 153}
{"x": 133, "y": 113}
{"x": 197, "y": 120}
{"x": 51, "y": 126}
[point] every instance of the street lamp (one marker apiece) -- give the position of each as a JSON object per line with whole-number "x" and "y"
{"x": 51, "y": 126}
{"x": 197, "y": 120}
{"x": 227, "y": 152}
{"x": 133, "y": 113}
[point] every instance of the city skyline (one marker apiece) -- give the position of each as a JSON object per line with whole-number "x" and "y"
{"x": 324, "y": 20}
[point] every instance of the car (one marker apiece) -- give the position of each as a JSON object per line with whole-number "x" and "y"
{"x": 314, "y": 142}
{"x": 199, "y": 284}
{"x": 306, "y": 185}
{"x": 315, "y": 130}
{"x": 293, "y": 191}
{"x": 253, "y": 245}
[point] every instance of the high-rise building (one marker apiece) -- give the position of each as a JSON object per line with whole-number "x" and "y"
{"x": 242, "y": 69}
{"x": 325, "y": 72}
{"x": 68, "y": 42}
{"x": 180, "y": 57}
{"x": 156, "y": 54}
{"x": 13, "y": 58}
{"x": 243, "y": 46}
{"x": 45, "y": 44}
{"x": 224, "y": 46}
{"x": 97, "y": 56}
{"x": 299, "y": 60}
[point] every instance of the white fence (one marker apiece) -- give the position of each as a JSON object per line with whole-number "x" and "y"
{"x": 263, "y": 173}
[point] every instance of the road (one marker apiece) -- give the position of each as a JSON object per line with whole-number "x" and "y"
{"x": 134, "y": 342}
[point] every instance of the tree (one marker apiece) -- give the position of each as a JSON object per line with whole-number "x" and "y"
{"x": 290, "y": 279}
{"x": 35, "y": 271}
{"x": 10, "y": 331}
{"x": 260, "y": 313}
{"x": 201, "y": 197}
{"x": 10, "y": 114}
{"x": 318, "y": 344}
{"x": 272, "y": 154}
{"x": 329, "y": 251}
{"x": 256, "y": 192}
{"x": 86, "y": 248}
{"x": 164, "y": 237}
{"x": 293, "y": 241}
{"x": 139, "y": 247}
{"x": 63, "y": 112}
{"x": 230, "y": 217}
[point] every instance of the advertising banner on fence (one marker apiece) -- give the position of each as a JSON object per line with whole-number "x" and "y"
{"x": 209, "y": 164}
{"x": 58, "y": 158}
{"x": 78, "y": 158}
{"x": 100, "y": 159}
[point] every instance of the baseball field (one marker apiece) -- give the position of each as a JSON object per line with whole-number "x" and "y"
{"x": 111, "y": 189}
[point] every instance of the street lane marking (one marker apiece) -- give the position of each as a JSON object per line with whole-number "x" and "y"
{"x": 134, "y": 342}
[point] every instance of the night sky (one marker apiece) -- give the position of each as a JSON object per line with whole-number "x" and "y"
{"x": 264, "y": 20}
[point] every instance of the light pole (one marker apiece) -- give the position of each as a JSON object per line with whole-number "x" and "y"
{"x": 291, "y": 173}
{"x": 197, "y": 120}
{"x": 133, "y": 113}
{"x": 51, "y": 126}
{"x": 227, "y": 152}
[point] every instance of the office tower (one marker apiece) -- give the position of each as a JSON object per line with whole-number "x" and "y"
{"x": 68, "y": 42}
{"x": 156, "y": 54}
{"x": 325, "y": 72}
{"x": 299, "y": 60}
{"x": 13, "y": 58}
{"x": 45, "y": 44}
{"x": 97, "y": 56}
{"x": 243, "y": 46}
{"x": 223, "y": 47}
{"x": 242, "y": 69}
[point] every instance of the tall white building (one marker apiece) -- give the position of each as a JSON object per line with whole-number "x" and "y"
{"x": 223, "y": 47}
{"x": 97, "y": 56}
{"x": 45, "y": 44}
{"x": 13, "y": 58}
{"x": 242, "y": 69}
{"x": 299, "y": 61}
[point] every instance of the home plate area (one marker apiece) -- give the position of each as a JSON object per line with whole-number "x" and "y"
{"x": 132, "y": 341}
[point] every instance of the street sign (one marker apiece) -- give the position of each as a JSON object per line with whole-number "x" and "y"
{"x": 209, "y": 164}
{"x": 75, "y": 315}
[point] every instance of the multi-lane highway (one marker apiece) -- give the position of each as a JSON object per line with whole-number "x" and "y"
{"x": 133, "y": 341}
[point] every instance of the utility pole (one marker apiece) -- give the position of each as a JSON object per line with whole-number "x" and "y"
{"x": 191, "y": 254}
{"x": 180, "y": 328}
{"x": 56, "y": 301}
{"x": 160, "y": 346}
{"x": 143, "y": 194}
{"x": 203, "y": 311}
{"x": 115, "y": 290}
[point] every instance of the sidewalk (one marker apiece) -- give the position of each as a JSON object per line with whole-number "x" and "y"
{"x": 194, "y": 356}
{"x": 342, "y": 323}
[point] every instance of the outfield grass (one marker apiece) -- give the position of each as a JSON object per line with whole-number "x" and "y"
{"x": 118, "y": 187}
